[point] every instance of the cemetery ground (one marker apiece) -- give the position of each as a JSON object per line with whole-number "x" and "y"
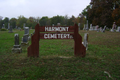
{"x": 56, "y": 59}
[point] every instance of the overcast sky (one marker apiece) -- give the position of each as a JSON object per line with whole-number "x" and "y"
{"x": 40, "y": 8}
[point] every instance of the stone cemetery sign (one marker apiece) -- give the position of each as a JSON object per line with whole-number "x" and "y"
{"x": 70, "y": 32}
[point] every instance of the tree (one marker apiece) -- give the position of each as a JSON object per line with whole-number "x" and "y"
{"x": 85, "y": 11}
{"x": 6, "y": 21}
{"x": 44, "y": 21}
{"x": 31, "y": 22}
{"x": 1, "y": 23}
{"x": 100, "y": 12}
{"x": 37, "y": 19}
{"x": 1, "y": 18}
{"x": 57, "y": 19}
{"x": 65, "y": 20}
{"x": 116, "y": 12}
{"x": 21, "y": 20}
{"x": 13, "y": 22}
{"x": 71, "y": 21}
{"x": 82, "y": 20}
{"x": 116, "y": 16}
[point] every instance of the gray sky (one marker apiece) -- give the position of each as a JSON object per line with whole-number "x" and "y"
{"x": 40, "y": 8}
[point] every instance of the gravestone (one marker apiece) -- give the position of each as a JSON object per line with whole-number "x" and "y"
{"x": 16, "y": 48}
{"x": 58, "y": 24}
{"x": 23, "y": 25}
{"x": 87, "y": 26}
{"x": 19, "y": 28}
{"x": 113, "y": 27}
{"x": 3, "y": 27}
{"x": 85, "y": 42}
{"x": 1, "y": 18}
{"x": 8, "y": 26}
{"x": 84, "y": 27}
{"x": 26, "y": 29}
{"x": 16, "y": 27}
{"x": 91, "y": 28}
{"x": 96, "y": 28}
{"x": 107, "y": 28}
{"x": 118, "y": 29}
{"x": 104, "y": 29}
{"x": 10, "y": 29}
{"x": 101, "y": 29}
{"x": 25, "y": 37}
{"x": 52, "y": 24}
{"x": 31, "y": 34}
{"x": 79, "y": 26}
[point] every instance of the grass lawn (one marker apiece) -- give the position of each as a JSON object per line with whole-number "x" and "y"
{"x": 56, "y": 59}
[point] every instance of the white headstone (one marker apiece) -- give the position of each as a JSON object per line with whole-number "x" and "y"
{"x": 58, "y": 24}
{"x": 104, "y": 29}
{"x": 87, "y": 25}
{"x": 101, "y": 29}
{"x": 79, "y": 26}
{"x": 96, "y": 28}
{"x": 118, "y": 29}
{"x": 52, "y": 24}
{"x": 85, "y": 42}
{"x": 113, "y": 27}
{"x": 8, "y": 26}
{"x": 91, "y": 28}
{"x": 23, "y": 25}
{"x": 84, "y": 27}
{"x": 25, "y": 36}
{"x": 3, "y": 27}
{"x": 26, "y": 30}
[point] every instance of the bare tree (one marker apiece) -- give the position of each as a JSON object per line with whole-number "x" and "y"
{"x": 1, "y": 18}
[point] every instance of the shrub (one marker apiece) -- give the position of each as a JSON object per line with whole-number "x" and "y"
{"x": 107, "y": 29}
{"x": 3, "y": 29}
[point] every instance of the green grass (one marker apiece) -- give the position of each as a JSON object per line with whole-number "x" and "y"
{"x": 56, "y": 59}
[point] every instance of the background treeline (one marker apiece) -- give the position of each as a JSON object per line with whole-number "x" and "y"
{"x": 44, "y": 21}
{"x": 103, "y": 12}
{"x": 98, "y": 12}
